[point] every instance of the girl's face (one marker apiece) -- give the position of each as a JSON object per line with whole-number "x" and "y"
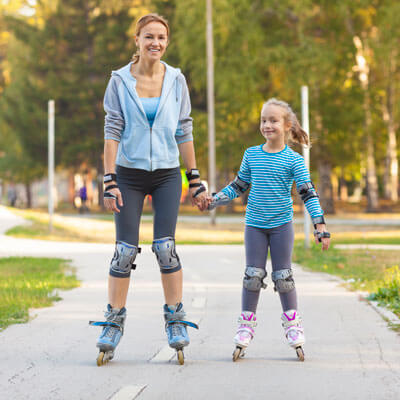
{"x": 152, "y": 41}
{"x": 273, "y": 125}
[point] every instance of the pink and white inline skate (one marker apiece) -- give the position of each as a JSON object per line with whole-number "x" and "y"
{"x": 294, "y": 331}
{"x": 245, "y": 333}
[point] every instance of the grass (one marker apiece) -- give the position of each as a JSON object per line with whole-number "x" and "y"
{"x": 103, "y": 231}
{"x": 374, "y": 271}
{"x": 27, "y": 282}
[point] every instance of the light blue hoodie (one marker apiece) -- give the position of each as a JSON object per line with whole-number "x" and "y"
{"x": 142, "y": 146}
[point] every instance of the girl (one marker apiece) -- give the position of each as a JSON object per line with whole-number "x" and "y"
{"x": 147, "y": 127}
{"x": 270, "y": 168}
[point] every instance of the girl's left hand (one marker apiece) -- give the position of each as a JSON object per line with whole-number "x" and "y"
{"x": 321, "y": 228}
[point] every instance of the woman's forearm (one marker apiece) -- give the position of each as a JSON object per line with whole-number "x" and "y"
{"x": 188, "y": 156}
{"x": 110, "y": 155}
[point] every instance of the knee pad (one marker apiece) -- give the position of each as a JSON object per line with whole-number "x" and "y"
{"x": 253, "y": 278}
{"x": 122, "y": 262}
{"x": 168, "y": 260}
{"x": 283, "y": 280}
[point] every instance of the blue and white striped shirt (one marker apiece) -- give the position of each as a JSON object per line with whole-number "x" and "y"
{"x": 271, "y": 176}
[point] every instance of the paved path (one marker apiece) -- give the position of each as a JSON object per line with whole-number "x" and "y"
{"x": 350, "y": 352}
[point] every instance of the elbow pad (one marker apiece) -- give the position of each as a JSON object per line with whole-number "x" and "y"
{"x": 307, "y": 191}
{"x": 239, "y": 186}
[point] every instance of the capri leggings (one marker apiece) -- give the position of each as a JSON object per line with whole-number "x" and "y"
{"x": 279, "y": 241}
{"x": 164, "y": 186}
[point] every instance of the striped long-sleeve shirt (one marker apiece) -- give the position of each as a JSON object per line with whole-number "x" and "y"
{"x": 271, "y": 176}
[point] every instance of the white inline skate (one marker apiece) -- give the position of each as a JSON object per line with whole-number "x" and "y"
{"x": 245, "y": 333}
{"x": 294, "y": 331}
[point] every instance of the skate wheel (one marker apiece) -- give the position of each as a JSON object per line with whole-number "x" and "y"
{"x": 100, "y": 359}
{"x": 236, "y": 354}
{"x": 181, "y": 358}
{"x": 300, "y": 353}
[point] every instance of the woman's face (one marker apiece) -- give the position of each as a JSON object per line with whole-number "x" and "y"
{"x": 152, "y": 41}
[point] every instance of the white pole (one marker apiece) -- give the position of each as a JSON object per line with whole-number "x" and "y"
{"x": 306, "y": 155}
{"x": 210, "y": 105}
{"x": 51, "y": 162}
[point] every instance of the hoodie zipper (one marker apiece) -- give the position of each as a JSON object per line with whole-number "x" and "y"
{"x": 151, "y": 149}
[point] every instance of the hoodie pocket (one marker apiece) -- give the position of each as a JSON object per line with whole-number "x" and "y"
{"x": 136, "y": 144}
{"x": 164, "y": 145}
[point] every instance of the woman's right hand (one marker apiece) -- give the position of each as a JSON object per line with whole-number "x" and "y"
{"x": 111, "y": 203}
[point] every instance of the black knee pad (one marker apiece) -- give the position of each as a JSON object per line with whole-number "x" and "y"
{"x": 165, "y": 251}
{"x": 254, "y": 278}
{"x": 122, "y": 262}
{"x": 283, "y": 280}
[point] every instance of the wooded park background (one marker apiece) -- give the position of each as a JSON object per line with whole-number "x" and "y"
{"x": 347, "y": 52}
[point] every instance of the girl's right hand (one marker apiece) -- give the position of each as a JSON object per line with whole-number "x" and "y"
{"x": 110, "y": 203}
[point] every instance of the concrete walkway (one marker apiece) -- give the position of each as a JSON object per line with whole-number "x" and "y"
{"x": 350, "y": 352}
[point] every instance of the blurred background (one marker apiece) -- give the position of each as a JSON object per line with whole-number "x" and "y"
{"x": 347, "y": 53}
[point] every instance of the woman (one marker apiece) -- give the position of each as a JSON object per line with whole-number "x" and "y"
{"x": 147, "y": 126}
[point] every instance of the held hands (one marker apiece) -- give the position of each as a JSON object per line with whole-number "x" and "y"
{"x": 321, "y": 235}
{"x": 199, "y": 200}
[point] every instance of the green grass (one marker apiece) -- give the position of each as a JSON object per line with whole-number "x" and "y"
{"x": 27, "y": 282}
{"x": 374, "y": 271}
{"x": 369, "y": 240}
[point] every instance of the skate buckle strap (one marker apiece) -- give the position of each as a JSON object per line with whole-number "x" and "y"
{"x": 291, "y": 322}
{"x": 186, "y": 323}
{"x": 105, "y": 323}
{"x": 251, "y": 324}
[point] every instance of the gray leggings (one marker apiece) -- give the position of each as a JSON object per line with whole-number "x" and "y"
{"x": 165, "y": 187}
{"x": 279, "y": 240}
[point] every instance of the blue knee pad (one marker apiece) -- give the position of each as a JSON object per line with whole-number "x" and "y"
{"x": 168, "y": 260}
{"x": 122, "y": 262}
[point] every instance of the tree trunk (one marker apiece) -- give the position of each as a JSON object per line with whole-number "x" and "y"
{"x": 391, "y": 161}
{"x": 28, "y": 191}
{"x": 372, "y": 181}
{"x": 325, "y": 189}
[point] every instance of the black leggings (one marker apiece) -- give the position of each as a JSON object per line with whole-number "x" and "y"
{"x": 165, "y": 187}
{"x": 279, "y": 241}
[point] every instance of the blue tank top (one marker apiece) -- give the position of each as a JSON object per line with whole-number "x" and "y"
{"x": 150, "y": 105}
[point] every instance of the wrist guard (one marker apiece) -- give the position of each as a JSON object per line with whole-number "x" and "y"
{"x": 201, "y": 188}
{"x": 192, "y": 174}
{"x": 109, "y": 177}
{"x": 321, "y": 235}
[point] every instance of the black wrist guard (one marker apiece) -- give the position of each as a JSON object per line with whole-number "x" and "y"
{"x": 201, "y": 189}
{"x": 109, "y": 177}
{"x": 110, "y": 187}
{"x": 321, "y": 235}
{"x": 192, "y": 174}
{"x": 109, "y": 195}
